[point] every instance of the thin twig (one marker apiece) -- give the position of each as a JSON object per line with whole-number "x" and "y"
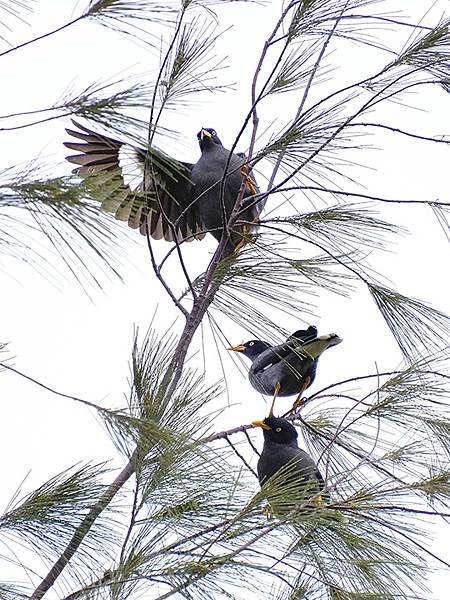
{"x": 351, "y": 194}
{"x": 416, "y": 136}
{"x": 4, "y": 365}
{"x": 134, "y": 512}
{"x": 252, "y": 446}
{"x": 224, "y": 434}
{"x": 236, "y": 451}
{"x": 82, "y": 530}
{"x": 161, "y": 278}
{"x": 401, "y": 532}
{"x": 305, "y": 95}
{"x": 45, "y": 35}
{"x": 351, "y": 450}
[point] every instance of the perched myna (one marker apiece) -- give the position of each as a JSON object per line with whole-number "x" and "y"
{"x": 174, "y": 200}
{"x": 281, "y": 453}
{"x": 289, "y": 368}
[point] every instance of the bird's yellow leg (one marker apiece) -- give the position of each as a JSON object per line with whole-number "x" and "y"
{"x": 246, "y": 228}
{"x": 300, "y": 400}
{"x": 267, "y": 510}
{"x": 319, "y": 501}
{"x": 244, "y": 241}
{"x": 248, "y": 180}
{"x": 275, "y": 395}
{"x": 247, "y": 238}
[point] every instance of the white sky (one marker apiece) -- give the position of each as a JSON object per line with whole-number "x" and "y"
{"x": 82, "y": 347}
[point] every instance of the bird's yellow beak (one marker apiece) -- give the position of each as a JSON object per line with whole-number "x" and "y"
{"x": 261, "y": 424}
{"x": 205, "y": 133}
{"x": 240, "y": 348}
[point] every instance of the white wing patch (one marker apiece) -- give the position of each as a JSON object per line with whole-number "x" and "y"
{"x": 132, "y": 167}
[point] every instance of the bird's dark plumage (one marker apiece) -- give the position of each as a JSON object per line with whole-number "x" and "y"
{"x": 288, "y": 368}
{"x": 175, "y": 200}
{"x": 282, "y": 455}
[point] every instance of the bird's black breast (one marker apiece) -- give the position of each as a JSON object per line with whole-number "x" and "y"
{"x": 276, "y": 456}
{"x": 209, "y": 185}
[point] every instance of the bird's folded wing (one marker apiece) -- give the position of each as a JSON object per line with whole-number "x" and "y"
{"x": 301, "y": 346}
{"x": 146, "y": 188}
{"x": 279, "y": 354}
{"x": 303, "y": 335}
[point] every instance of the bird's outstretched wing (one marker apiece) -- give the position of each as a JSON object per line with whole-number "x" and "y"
{"x": 150, "y": 190}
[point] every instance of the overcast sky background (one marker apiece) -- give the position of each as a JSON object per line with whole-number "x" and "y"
{"x": 82, "y": 346}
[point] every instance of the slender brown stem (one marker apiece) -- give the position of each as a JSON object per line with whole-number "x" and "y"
{"x": 161, "y": 278}
{"x": 44, "y": 35}
{"x": 239, "y": 455}
{"x": 221, "y": 435}
{"x": 416, "y": 136}
{"x": 352, "y": 195}
{"x": 305, "y": 95}
{"x": 82, "y": 530}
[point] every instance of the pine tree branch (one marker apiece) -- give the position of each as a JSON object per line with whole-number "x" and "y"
{"x": 239, "y": 455}
{"x": 305, "y": 95}
{"x": 209, "y": 289}
{"x": 168, "y": 386}
{"x": 221, "y": 435}
{"x": 134, "y": 512}
{"x": 107, "y": 578}
{"x": 171, "y": 379}
{"x": 163, "y": 282}
{"x": 380, "y": 96}
{"x": 44, "y": 35}
{"x": 297, "y": 417}
{"x": 414, "y": 26}
{"x": 350, "y": 194}
{"x": 401, "y": 533}
{"x": 371, "y": 376}
{"x": 342, "y": 263}
{"x": 252, "y": 113}
{"x": 416, "y": 136}
{"x": 49, "y": 389}
{"x": 82, "y": 530}
{"x": 110, "y": 575}
{"x": 250, "y": 443}
{"x": 391, "y": 508}
{"x": 352, "y": 451}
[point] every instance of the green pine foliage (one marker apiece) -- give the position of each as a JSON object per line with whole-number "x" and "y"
{"x": 184, "y": 517}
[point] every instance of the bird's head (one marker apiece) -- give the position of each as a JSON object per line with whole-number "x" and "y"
{"x": 277, "y": 430}
{"x": 207, "y": 138}
{"x": 252, "y": 348}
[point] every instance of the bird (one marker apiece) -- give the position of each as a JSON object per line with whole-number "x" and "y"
{"x": 289, "y": 368}
{"x": 292, "y": 466}
{"x": 167, "y": 198}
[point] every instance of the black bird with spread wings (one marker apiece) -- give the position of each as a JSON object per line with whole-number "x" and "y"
{"x": 167, "y": 198}
{"x": 289, "y": 368}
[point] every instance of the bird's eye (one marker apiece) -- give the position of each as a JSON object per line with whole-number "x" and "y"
{"x": 213, "y": 132}
{"x": 278, "y": 429}
{"x": 251, "y": 343}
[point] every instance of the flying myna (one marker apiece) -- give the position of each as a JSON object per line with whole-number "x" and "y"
{"x": 289, "y": 368}
{"x": 171, "y": 199}
{"x": 296, "y": 469}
